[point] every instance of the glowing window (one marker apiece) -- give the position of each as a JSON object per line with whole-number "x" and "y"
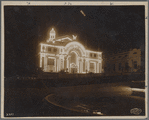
{"x": 55, "y": 49}
{"x": 90, "y": 54}
{"x": 50, "y": 61}
{"x": 126, "y": 66}
{"x": 49, "y": 49}
{"x": 135, "y": 53}
{"x": 43, "y": 48}
{"x": 135, "y": 64}
{"x": 91, "y": 65}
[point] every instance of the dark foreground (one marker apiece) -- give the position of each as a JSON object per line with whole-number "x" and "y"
{"x": 32, "y": 98}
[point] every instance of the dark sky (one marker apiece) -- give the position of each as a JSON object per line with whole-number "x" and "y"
{"x": 105, "y": 28}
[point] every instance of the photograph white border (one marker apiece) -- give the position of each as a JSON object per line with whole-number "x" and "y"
{"x": 77, "y": 3}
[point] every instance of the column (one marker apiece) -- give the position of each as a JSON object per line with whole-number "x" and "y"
{"x": 45, "y": 63}
{"x": 67, "y": 64}
{"x": 88, "y": 66}
{"x": 63, "y": 62}
{"x": 55, "y": 65}
{"x": 81, "y": 67}
{"x": 58, "y": 65}
{"x": 40, "y": 64}
{"x": 97, "y": 67}
{"x": 78, "y": 66}
{"x": 101, "y": 67}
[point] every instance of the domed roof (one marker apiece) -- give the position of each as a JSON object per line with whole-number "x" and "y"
{"x": 52, "y": 31}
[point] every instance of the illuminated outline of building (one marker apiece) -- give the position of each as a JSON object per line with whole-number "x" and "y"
{"x": 69, "y": 55}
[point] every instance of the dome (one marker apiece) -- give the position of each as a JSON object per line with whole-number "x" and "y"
{"x": 52, "y": 31}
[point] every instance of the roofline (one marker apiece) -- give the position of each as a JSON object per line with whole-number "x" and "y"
{"x": 63, "y": 46}
{"x": 93, "y": 51}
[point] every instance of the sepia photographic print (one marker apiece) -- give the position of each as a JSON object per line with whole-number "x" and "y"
{"x": 74, "y": 59}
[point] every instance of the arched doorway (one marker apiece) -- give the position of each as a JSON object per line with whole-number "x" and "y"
{"x": 73, "y": 62}
{"x": 73, "y": 68}
{"x": 75, "y": 53}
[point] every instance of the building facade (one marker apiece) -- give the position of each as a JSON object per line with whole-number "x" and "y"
{"x": 129, "y": 61}
{"x": 67, "y": 54}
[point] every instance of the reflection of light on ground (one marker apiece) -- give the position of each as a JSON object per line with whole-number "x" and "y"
{"x": 138, "y": 89}
{"x": 99, "y": 106}
{"x": 98, "y": 113}
{"x": 86, "y": 110}
{"x": 81, "y": 106}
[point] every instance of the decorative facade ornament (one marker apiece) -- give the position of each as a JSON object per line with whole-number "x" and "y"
{"x": 74, "y": 37}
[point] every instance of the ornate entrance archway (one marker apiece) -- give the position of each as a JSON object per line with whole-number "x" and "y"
{"x": 73, "y": 62}
{"x": 75, "y": 53}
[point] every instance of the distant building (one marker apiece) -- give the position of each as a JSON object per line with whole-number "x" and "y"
{"x": 67, "y": 54}
{"x": 129, "y": 61}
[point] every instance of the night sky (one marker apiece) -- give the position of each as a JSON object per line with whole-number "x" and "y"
{"x": 108, "y": 29}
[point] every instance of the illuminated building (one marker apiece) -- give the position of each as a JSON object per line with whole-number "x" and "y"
{"x": 129, "y": 61}
{"x": 67, "y": 54}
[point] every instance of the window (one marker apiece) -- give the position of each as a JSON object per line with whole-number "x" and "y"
{"x": 94, "y": 55}
{"x": 90, "y": 54}
{"x": 43, "y": 48}
{"x": 55, "y": 49}
{"x": 91, "y": 65}
{"x": 135, "y": 64}
{"x": 49, "y": 49}
{"x": 50, "y": 61}
{"x": 126, "y": 66}
{"x": 42, "y": 62}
